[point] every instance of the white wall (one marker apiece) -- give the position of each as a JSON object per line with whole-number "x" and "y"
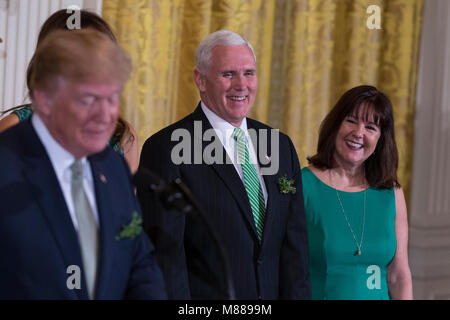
{"x": 429, "y": 243}
{"x": 20, "y": 21}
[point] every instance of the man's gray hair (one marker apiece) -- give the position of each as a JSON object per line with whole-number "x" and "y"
{"x": 218, "y": 38}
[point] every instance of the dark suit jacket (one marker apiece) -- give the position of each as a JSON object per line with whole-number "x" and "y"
{"x": 275, "y": 269}
{"x": 37, "y": 236}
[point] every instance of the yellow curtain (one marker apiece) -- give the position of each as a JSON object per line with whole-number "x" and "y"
{"x": 309, "y": 52}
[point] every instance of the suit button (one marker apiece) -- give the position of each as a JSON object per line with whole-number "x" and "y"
{"x": 258, "y": 262}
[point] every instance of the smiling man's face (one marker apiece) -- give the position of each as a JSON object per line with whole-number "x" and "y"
{"x": 229, "y": 86}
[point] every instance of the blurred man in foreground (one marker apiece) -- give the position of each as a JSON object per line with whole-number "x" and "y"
{"x": 69, "y": 221}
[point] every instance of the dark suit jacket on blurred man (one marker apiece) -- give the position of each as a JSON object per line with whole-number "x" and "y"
{"x": 38, "y": 238}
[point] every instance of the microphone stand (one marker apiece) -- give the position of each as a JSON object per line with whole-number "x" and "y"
{"x": 178, "y": 196}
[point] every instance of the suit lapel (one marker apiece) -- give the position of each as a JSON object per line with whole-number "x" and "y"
{"x": 42, "y": 179}
{"x": 105, "y": 209}
{"x": 231, "y": 179}
{"x": 227, "y": 173}
{"x": 272, "y": 193}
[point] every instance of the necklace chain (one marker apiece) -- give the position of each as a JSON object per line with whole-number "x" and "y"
{"x": 358, "y": 252}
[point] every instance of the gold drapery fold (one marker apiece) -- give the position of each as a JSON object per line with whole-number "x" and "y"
{"x": 309, "y": 52}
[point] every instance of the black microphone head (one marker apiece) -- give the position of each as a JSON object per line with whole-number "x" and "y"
{"x": 145, "y": 178}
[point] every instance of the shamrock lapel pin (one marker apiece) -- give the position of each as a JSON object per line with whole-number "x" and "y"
{"x": 286, "y": 186}
{"x": 133, "y": 229}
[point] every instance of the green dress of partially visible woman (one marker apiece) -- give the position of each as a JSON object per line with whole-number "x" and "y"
{"x": 355, "y": 207}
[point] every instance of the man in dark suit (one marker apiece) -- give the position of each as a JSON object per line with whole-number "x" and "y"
{"x": 254, "y": 201}
{"x": 69, "y": 219}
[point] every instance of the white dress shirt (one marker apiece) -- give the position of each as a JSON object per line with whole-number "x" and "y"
{"x": 224, "y": 131}
{"x": 61, "y": 161}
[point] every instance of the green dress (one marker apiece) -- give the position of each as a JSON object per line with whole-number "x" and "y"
{"x": 336, "y": 272}
{"x": 26, "y": 112}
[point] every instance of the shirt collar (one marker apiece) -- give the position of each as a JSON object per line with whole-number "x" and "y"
{"x": 223, "y": 127}
{"x": 60, "y": 158}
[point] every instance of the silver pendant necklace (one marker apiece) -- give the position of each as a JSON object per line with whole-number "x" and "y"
{"x": 357, "y": 252}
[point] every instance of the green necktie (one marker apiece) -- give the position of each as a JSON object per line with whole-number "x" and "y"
{"x": 87, "y": 227}
{"x": 251, "y": 182}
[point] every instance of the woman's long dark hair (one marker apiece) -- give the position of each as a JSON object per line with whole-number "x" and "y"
{"x": 381, "y": 167}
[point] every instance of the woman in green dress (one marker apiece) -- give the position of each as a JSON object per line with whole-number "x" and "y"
{"x": 355, "y": 207}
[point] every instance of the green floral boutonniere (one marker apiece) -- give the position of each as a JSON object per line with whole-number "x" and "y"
{"x": 286, "y": 186}
{"x": 133, "y": 229}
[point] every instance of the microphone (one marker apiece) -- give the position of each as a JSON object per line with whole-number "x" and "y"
{"x": 176, "y": 195}
{"x": 173, "y": 196}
